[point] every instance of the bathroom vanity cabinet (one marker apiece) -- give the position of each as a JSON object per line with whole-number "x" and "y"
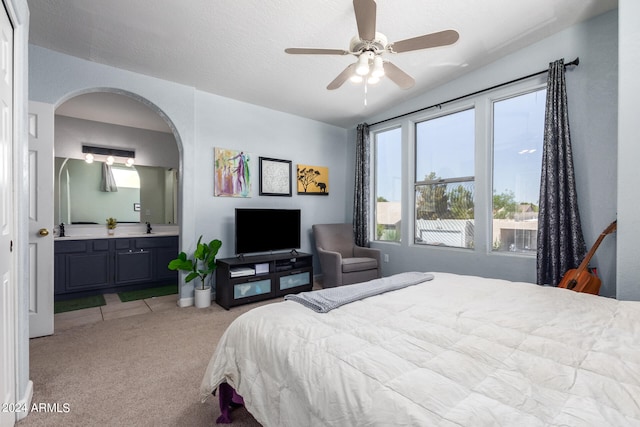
{"x": 96, "y": 266}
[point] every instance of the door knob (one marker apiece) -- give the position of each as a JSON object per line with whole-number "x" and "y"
{"x": 43, "y": 232}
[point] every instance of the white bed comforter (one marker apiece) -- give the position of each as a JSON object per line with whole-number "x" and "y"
{"x": 457, "y": 350}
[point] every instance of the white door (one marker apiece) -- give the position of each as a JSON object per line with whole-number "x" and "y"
{"x": 7, "y": 255}
{"x": 41, "y": 219}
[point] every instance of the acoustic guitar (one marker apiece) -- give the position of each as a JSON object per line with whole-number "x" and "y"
{"x": 581, "y": 279}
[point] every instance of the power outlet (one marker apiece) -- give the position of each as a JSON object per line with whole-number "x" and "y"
{"x": 386, "y": 257}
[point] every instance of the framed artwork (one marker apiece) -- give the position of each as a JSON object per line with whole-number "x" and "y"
{"x": 313, "y": 180}
{"x": 275, "y": 177}
{"x": 232, "y": 173}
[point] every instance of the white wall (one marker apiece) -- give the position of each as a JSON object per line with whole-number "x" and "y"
{"x": 592, "y": 93}
{"x": 203, "y": 121}
{"x": 152, "y": 148}
{"x": 629, "y": 152}
{"x": 18, "y": 11}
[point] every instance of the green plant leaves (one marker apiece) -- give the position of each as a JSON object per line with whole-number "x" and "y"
{"x": 191, "y": 276}
{"x": 181, "y": 263}
{"x": 203, "y": 262}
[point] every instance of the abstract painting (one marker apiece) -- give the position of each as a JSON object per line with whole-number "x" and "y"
{"x": 232, "y": 173}
{"x": 313, "y": 180}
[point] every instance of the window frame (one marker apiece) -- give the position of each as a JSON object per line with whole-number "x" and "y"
{"x": 482, "y": 102}
{"x": 454, "y": 108}
{"x": 374, "y": 177}
{"x": 523, "y": 88}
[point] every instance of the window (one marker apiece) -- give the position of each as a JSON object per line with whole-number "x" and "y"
{"x": 388, "y": 188}
{"x": 518, "y": 126}
{"x": 125, "y": 177}
{"x": 444, "y": 187}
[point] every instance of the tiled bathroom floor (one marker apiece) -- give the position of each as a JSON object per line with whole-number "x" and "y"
{"x": 114, "y": 309}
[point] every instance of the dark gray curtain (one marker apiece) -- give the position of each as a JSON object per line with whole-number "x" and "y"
{"x": 361, "y": 191}
{"x": 560, "y": 241}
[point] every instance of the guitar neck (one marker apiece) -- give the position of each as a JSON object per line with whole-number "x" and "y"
{"x": 587, "y": 259}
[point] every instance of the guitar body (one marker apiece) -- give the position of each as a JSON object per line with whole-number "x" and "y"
{"x": 582, "y": 281}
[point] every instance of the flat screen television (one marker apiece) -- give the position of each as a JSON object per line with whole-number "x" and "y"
{"x": 266, "y": 230}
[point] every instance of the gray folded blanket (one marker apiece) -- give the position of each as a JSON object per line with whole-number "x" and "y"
{"x": 325, "y": 300}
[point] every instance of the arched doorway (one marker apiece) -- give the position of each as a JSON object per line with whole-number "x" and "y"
{"x": 122, "y": 120}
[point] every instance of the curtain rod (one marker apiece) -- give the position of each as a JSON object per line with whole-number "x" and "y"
{"x": 575, "y": 62}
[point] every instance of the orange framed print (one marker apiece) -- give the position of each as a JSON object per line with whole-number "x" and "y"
{"x": 313, "y": 180}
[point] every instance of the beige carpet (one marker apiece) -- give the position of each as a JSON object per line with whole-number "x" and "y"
{"x": 143, "y": 370}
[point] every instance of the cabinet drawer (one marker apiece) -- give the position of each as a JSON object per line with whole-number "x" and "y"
{"x": 250, "y": 289}
{"x": 295, "y": 280}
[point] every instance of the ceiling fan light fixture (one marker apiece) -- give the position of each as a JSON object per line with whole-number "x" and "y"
{"x": 362, "y": 66}
{"x": 368, "y": 46}
{"x": 378, "y": 68}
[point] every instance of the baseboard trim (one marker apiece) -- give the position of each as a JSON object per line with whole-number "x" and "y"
{"x": 185, "y": 302}
{"x": 25, "y": 402}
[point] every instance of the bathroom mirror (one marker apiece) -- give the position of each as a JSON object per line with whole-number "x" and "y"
{"x": 145, "y": 193}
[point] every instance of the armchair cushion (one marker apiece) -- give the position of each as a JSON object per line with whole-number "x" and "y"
{"x": 343, "y": 262}
{"x": 358, "y": 264}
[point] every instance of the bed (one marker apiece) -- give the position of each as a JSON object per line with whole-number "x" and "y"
{"x": 453, "y": 351}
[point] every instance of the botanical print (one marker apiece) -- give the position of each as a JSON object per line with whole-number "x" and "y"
{"x": 232, "y": 173}
{"x": 313, "y": 180}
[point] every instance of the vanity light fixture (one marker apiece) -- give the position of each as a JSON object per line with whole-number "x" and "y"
{"x": 110, "y": 153}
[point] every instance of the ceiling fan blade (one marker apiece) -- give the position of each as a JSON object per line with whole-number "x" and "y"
{"x": 365, "y": 18}
{"x": 311, "y": 51}
{"x": 442, "y": 38}
{"x": 399, "y": 77}
{"x": 342, "y": 77}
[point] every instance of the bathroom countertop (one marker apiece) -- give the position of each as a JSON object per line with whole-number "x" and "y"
{"x": 123, "y": 235}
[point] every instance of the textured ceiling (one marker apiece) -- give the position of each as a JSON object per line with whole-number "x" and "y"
{"x": 235, "y": 48}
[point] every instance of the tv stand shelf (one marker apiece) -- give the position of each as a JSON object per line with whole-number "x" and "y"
{"x": 246, "y": 279}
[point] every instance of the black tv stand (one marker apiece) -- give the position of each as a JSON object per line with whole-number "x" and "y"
{"x": 246, "y": 279}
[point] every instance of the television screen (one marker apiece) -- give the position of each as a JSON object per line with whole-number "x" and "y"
{"x": 265, "y": 230}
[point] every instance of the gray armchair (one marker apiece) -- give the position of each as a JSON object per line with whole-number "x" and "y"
{"x": 342, "y": 262}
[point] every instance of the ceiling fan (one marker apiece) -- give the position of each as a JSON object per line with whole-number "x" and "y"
{"x": 369, "y": 46}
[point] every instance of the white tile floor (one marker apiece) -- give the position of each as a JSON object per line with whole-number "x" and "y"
{"x": 114, "y": 309}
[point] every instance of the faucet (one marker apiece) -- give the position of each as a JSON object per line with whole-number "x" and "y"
{"x": 148, "y": 228}
{"x": 61, "y": 228}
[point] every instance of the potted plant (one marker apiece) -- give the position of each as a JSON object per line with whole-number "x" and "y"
{"x": 112, "y": 223}
{"x": 200, "y": 265}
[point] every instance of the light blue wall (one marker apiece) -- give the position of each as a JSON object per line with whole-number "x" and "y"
{"x": 592, "y": 92}
{"x": 225, "y": 123}
{"x": 203, "y": 121}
